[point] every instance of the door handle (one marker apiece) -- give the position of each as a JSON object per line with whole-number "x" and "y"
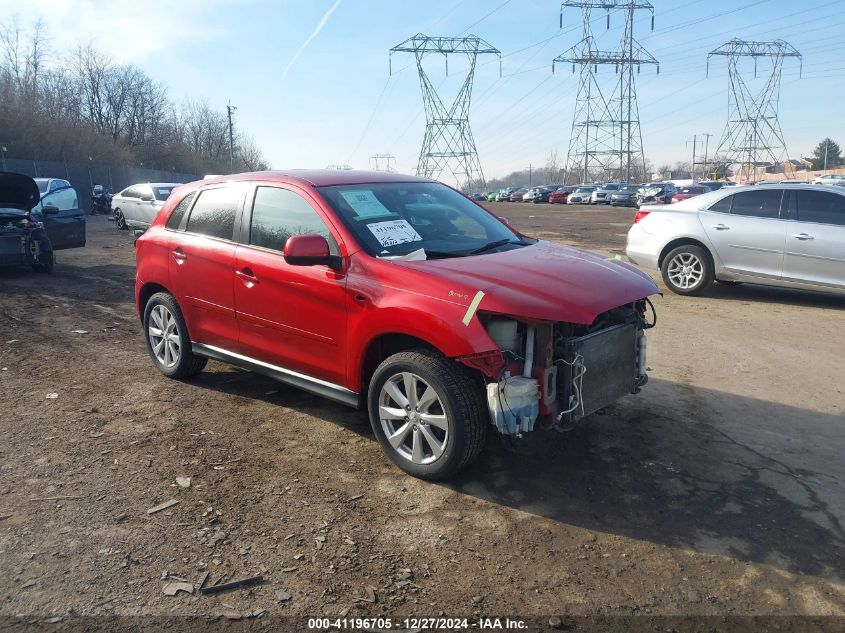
{"x": 179, "y": 255}
{"x": 246, "y": 275}
{"x": 721, "y": 227}
{"x": 803, "y": 236}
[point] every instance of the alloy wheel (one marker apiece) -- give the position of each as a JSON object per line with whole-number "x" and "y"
{"x": 685, "y": 271}
{"x": 163, "y": 334}
{"x": 413, "y": 418}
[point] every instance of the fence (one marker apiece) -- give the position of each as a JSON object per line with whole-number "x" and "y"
{"x": 84, "y": 176}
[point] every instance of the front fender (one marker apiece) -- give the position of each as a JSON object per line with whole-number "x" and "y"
{"x": 442, "y": 328}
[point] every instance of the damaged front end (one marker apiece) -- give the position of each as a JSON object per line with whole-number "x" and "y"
{"x": 558, "y": 373}
{"x": 21, "y": 239}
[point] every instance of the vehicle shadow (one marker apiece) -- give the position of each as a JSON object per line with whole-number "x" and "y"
{"x": 673, "y": 473}
{"x": 684, "y": 477}
{"x": 772, "y": 294}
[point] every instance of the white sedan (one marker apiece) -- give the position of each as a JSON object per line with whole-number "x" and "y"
{"x": 829, "y": 179}
{"x": 136, "y": 206}
{"x": 787, "y": 235}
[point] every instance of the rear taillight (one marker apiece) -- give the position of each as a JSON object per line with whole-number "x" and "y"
{"x": 640, "y": 215}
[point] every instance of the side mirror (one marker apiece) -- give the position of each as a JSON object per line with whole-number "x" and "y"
{"x": 307, "y": 250}
{"x": 49, "y": 209}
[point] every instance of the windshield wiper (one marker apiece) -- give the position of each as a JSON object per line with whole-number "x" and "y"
{"x": 491, "y": 245}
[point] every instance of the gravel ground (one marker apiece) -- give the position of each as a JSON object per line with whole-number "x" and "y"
{"x": 718, "y": 490}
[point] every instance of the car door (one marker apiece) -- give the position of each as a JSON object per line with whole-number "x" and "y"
{"x": 127, "y": 202}
{"x": 147, "y": 207}
{"x": 201, "y": 257}
{"x": 290, "y": 316}
{"x": 63, "y": 219}
{"x": 747, "y": 231}
{"x": 815, "y": 238}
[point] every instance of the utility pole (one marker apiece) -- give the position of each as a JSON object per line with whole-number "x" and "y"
{"x": 753, "y": 134}
{"x": 706, "y": 136}
{"x": 448, "y": 140}
{"x": 530, "y": 173}
{"x": 3, "y": 151}
{"x": 606, "y": 138}
{"x": 694, "y": 141}
{"x": 229, "y": 110}
{"x": 826, "y": 144}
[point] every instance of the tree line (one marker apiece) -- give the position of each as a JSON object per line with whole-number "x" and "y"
{"x": 83, "y": 106}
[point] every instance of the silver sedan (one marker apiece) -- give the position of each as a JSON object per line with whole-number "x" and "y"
{"x": 788, "y": 235}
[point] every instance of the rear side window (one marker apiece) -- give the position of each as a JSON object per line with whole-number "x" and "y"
{"x": 278, "y": 214}
{"x": 214, "y": 212}
{"x": 175, "y": 219}
{"x": 820, "y": 207}
{"x": 757, "y": 204}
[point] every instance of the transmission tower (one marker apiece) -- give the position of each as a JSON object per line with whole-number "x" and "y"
{"x": 448, "y": 140}
{"x": 753, "y": 136}
{"x": 375, "y": 161}
{"x": 606, "y": 140}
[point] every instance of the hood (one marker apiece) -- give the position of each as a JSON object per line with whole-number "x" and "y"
{"x": 544, "y": 281}
{"x": 18, "y": 191}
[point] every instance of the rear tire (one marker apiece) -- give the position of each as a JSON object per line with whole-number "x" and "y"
{"x": 120, "y": 220}
{"x": 687, "y": 270}
{"x": 166, "y": 336}
{"x": 45, "y": 264}
{"x": 439, "y": 429}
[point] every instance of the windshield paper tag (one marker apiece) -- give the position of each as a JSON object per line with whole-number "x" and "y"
{"x": 394, "y": 232}
{"x": 364, "y": 203}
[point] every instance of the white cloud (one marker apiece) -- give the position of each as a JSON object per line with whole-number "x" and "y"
{"x": 314, "y": 34}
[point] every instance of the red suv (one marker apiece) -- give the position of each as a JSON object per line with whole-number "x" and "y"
{"x": 393, "y": 293}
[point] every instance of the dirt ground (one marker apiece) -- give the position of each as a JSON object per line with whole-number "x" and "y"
{"x": 720, "y": 489}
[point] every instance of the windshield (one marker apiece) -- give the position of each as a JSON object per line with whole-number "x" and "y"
{"x": 585, "y": 190}
{"x": 391, "y": 219}
{"x": 692, "y": 190}
{"x": 629, "y": 189}
{"x": 611, "y": 187}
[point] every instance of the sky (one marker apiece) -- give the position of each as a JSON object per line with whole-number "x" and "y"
{"x": 312, "y": 82}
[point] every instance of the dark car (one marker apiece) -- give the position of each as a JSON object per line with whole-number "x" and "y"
{"x": 411, "y": 302}
{"x": 625, "y": 197}
{"x": 32, "y": 226}
{"x": 544, "y": 193}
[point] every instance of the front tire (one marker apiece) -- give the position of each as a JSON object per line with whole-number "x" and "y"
{"x": 687, "y": 270}
{"x": 166, "y": 336}
{"x": 428, "y": 413}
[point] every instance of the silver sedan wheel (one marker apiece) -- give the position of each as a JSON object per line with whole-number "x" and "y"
{"x": 413, "y": 418}
{"x": 164, "y": 336}
{"x": 685, "y": 271}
